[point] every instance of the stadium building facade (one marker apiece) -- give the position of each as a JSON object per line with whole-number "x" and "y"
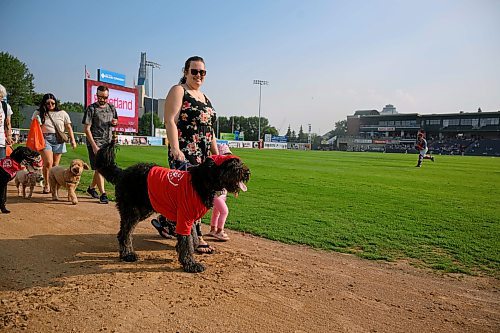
{"x": 382, "y": 131}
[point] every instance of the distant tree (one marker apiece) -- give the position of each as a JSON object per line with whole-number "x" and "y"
{"x": 248, "y": 126}
{"x": 270, "y": 130}
{"x": 315, "y": 141}
{"x": 36, "y": 98}
{"x": 292, "y": 137}
{"x": 340, "y": 129}
{"x": 302, "y": 137}
{"x": 145, "y": 123}
{"x": 71, "y": 106}
{"x": 222, "y": 125}
{"x": 288, "y": 132}
{"x": 18, "y": 81}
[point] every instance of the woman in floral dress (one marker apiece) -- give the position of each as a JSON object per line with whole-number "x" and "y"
{"x": 189, "y": 120}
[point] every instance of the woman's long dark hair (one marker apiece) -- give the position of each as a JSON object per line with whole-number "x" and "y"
{"x": 43, "y": 109}
{"x": 187, "y": 65}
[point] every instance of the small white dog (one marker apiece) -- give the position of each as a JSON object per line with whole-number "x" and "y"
{"x": 25, "y": 178}
{"x": 67, "y": 177}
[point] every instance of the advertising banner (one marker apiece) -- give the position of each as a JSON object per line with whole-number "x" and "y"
{"x": 139, "y": 140}
{"x": 236, "y": 144}
{"x": 279, "y": 138}
{"x": 275, "y": 145}
{"x": 362, "y": 141}
{"x": 111, "y": 77}
{"x": 125, "y": 100}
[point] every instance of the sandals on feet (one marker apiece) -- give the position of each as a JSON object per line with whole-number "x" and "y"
{"x": 204, "y": 249}
{"x": 161, "y": 230}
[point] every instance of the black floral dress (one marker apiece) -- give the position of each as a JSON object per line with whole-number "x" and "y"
{"x": 195, "y": 129}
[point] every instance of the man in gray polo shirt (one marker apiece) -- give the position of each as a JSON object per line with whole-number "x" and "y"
{"x": 99, "y": 119}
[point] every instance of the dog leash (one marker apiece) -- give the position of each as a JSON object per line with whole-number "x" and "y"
{"x": 180, "y": 165}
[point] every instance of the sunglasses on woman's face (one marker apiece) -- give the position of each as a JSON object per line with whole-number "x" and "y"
{"x": 50, "y": 103}
{"x": 196, "y": 71}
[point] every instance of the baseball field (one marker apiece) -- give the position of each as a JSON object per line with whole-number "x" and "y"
{"x": 443, "y": 216}
{"x": 356, "y": 242}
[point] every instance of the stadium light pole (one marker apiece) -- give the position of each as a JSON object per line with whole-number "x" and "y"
{"x": 260, "y": 83}
{"x": 153, "y": 65}
{"x": 309, "y": 136}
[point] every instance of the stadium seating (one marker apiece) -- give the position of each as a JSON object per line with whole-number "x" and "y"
{"x": 449, "y": 146}
{"x": 484, "y": 147}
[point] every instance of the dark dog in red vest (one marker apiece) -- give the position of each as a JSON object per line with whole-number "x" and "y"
{"x": 181, "y": 196}
{"x": 20, "y": 158}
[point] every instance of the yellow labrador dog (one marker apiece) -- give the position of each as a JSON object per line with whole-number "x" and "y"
{"x": 68, "y": 178}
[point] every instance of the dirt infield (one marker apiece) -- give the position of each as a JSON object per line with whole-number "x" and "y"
{"x": 59, "y": 272}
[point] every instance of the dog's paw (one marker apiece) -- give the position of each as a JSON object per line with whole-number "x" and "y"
{"x": 74, "y": 202}
{"x": 131, "y": 257}
{"x": 193, "y": 267}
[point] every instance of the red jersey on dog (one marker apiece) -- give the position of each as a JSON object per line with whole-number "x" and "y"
{"x": 172, "y": 195}
{"x": 10, "y": 166}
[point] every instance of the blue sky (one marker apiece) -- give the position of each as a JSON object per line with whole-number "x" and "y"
{"x": 323, "y": 59}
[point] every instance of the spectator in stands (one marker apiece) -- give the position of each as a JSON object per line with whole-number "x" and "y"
{"x": 421, "y": 146}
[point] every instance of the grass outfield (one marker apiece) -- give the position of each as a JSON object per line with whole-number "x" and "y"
{"x": 445, "y": 215}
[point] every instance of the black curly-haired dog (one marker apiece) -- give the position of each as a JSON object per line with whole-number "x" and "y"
{"x": 19, "y": 158}
{"x": 181, "y": 196}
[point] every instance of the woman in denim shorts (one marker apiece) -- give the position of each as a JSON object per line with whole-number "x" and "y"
{"x": 53, "y": 151}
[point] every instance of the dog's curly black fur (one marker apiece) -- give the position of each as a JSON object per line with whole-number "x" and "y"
{"x": 132, "y": 200}
{"x": 23, "y": 156}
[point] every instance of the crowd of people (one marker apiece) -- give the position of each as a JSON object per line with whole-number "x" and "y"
{"x": 446, "y": 146}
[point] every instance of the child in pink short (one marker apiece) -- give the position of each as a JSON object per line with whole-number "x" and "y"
{"x": 220, "y": 210}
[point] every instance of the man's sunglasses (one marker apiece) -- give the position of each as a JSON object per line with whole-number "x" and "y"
{"x": 102, "y": 97}
{"x": 196, "y": 71}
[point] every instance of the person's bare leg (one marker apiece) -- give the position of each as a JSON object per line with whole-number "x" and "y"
{"x": 47, "y": 157}
{"x": 99, "y": 181}
{"x": 57, "y": 159}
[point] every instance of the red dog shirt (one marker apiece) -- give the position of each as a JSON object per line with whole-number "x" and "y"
{"x": 10, "y": 166}
{"x": 172, "y": 195}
